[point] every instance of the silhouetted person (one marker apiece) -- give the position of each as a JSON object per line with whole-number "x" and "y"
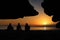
{"x": 13, "y": 9}
{"x": 52, "y": 8}
{"x": 27, "y": 27}
{"x": 19, "y": 27}
{"x": 10, "y": 28}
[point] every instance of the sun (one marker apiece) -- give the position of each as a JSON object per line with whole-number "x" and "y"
{"x": 44, "y": 23}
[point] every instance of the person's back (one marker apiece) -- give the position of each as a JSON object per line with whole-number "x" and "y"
{"x": 27, "y": 27}
{"x": 10, "y": 28}
{"x": 11, "y": 9}
{"x": 19, "y": 27}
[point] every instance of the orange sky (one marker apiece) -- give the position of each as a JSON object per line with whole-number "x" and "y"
{"x": 40, "y": 19}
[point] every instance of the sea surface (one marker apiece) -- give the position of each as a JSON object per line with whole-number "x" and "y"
{"x": 3, "y": 27}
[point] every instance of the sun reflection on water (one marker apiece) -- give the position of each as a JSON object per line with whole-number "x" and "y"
{"x": 43, "y": 28}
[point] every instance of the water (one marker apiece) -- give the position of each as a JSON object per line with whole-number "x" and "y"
{"x": 43, "y": 28}
{"x": 31, "y": 28}
{"x": 3, "y": 27}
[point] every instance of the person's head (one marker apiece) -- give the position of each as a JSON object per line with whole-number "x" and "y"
{"x": 51, "y": 8}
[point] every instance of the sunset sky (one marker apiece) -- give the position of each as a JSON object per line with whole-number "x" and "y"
{"x": 41, "y": 19}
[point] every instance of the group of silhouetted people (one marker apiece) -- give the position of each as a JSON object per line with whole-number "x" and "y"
{"x": 19, "y": 27}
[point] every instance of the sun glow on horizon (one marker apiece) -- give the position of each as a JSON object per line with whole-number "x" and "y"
{"x": 45, "y": 20}
{"x": 45, "y": 23}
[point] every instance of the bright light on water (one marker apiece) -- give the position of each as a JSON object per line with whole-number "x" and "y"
{"x": 45, "y": 28}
